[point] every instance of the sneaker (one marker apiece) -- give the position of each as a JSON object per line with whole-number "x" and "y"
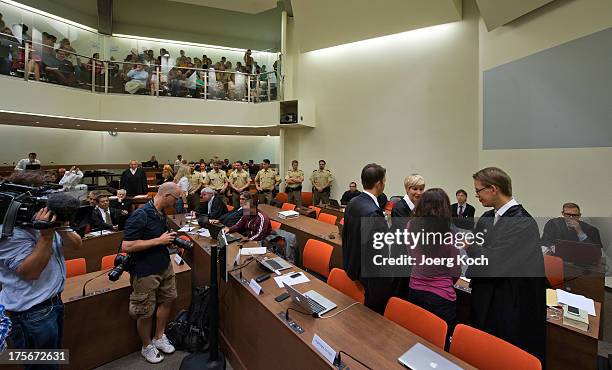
{"x": 163, "y": 344}
{"x": 151, "y": 354}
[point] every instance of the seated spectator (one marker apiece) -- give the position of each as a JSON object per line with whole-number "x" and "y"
{"x": 9, "y": 48}
{"x": 254, "y": 224}
{"x": 181, "y": 61}
{"x": 569, "y": 227}
{"x": 59, "y": 175}
{"x": 137, "y": 79}
{"x": 63, "y": 71}
{"x": 71, "y": 178}
{"x": 98, "y": 66}
{"x": 167, "y": 175}
{"x": 211, "y": 205}
{"x": 103, "y": 217}
{"x": 92, "y": 199}
{"x": 351, "y": 193}
{"x": 122, "y": 203}
{"x": 23, "y": 163}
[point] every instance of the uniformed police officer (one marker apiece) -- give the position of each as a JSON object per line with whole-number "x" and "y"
{"x": 217, "y": 180}
{"x": 239, "y": 181}
{"x": 294, "y": 180}
{"x": 321, "y": 180}
{"x": 265, "y": 182}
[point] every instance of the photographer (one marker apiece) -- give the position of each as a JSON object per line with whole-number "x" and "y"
{"x": 32, "y": 273}
{"x": 152, "y": 276}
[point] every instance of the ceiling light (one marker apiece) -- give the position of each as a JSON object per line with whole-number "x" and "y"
{"x": 78, "y": 125}
{"x": 37, "y": 121}
{"x": 134, "y": 128}
{"x": 61, "y": 124}
{"x": 237, "y": 132}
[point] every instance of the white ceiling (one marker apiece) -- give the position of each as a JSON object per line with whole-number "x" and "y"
{"x": 243, "y": 6}
{"x": 496, "y": 13}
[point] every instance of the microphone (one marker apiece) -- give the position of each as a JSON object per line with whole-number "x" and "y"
{"x": 93, "y": 278}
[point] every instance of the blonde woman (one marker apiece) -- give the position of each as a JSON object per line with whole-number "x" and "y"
{"x": 414, "y": 185}
{"x": 182, "y": 180}
{"x": 167, "y": 175}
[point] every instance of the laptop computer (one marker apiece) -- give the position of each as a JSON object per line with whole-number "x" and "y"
{"x": 275, "y": 264}
{"x": 334, "y": 204}
{"x": 421, "y": 357}
{"x": 311, "y": 301}
{"x": 578, "y": 252}
{"x": 214, "y": 233}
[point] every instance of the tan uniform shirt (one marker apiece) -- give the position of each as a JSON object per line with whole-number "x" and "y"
{"x": 294, "y": 174}
{"x": 267, "y": 178}
{"x": 239, "y": 178}
{"x": 215, "y": 180}
{"x": 321, "y": 178}
{"x": 195, "y": 181}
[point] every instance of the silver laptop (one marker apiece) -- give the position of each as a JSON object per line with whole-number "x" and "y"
{"x": 419, "y": 357}
{"x": 311, "y": 301}
{"x": 275, "y": 264}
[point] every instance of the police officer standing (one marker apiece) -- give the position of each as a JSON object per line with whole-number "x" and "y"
{"x": 217, "y": 180}
{"x": 321, "y": 180}
{"x": 294, "y": 180}
{"x": 239, "y": 181}
{"x": 265, "y": 181}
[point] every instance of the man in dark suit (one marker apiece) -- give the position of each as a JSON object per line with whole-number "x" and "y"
{"x": 134, "y": 180}
{"x": 103, "y": 217}
{"x": 463, "y": 213}
{"x": 509, "y": 291}
{"x": 124, "y": 205}
{"x": 362, "y": 219}
{"x": 569, "y": 227}
{"x": 351, "y": 193}
{"x": 211, "y": 205}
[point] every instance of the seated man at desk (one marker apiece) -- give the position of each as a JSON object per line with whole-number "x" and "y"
{"x": 103, "y": 217}
{"x": 351, "y": 193}
{"x": 211, "y": 205}
{"x": 569, "y": 227}
{"x": 122, "y": 203}
{"x": 254, "y": 224}
{"x": 231, "y": 218}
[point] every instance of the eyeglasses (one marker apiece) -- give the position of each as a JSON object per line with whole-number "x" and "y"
{"x": 481, "y": 189}
{"x": 571, "y": 215}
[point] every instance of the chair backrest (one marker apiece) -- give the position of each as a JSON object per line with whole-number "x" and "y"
{"x": 288, "y": 207}
{"x": 327, "y": 218}
{"x": 418, "y": 320}
{"x": 553, "y": 266}
{"x": 108, "y": 262}
{"x": 282, "y": 197}
{"x": 316, "y": 256}
{"x": 342, "y": 282}
{"x": 76, "y": 267}
{"x": 307, "y": 198}
{"x": 275, "y": 225}
{"x": 488, "y": 352}
{"x": 317, "y": 210}
{"x": 230, "y": 208}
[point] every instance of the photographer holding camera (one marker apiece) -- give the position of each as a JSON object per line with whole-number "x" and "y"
{"x": 146, "y": 238}
{"x": 32, "y": 272}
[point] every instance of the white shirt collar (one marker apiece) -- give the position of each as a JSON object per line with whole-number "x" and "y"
{"x": 506, "y": 207}
{"x": 133, "y": 171}
{"x": 409, "y": 202}
{"x": 373, "y": 197}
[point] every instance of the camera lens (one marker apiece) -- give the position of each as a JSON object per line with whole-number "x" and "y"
{"x": 182, "y": 243}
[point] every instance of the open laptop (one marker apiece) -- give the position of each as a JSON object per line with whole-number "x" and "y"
{"x": 420, "y": 357}
{"x": 578, "y": 252}
{"x": 334, "y": 204}
{"x": 311, "y": 301}
{"x": 275, "y": 264}
{"x": 214, "y": 233}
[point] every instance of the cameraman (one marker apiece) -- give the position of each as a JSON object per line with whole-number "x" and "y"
{"x": 32, "y": 274}
{"x": 152, "y": 276}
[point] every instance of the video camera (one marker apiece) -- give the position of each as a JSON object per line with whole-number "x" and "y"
{"x": 20, "y": 203}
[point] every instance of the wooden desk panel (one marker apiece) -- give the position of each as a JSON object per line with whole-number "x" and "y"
{"x": 333, "y": 211}
{"x": 93, "y": 249}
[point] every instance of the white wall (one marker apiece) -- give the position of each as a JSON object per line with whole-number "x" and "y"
{"x": 90, "y": 147}
{"x": 543, "y": 179}
{"x": 407, "y": 101}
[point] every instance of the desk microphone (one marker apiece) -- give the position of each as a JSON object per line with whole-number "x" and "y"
{"x": 93, "y": 278}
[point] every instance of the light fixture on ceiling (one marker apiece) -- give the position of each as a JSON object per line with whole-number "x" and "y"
{"x": 60, "y": 124}
{"x": 37, "y": 121}
{"x": 77, "y": 125}
{"x": 134, "y": 128}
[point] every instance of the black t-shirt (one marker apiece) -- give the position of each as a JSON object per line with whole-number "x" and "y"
{"x": 144, "y": 224}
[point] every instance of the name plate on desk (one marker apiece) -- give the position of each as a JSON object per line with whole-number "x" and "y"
{"x": 324, "y": 349}
{"x": 255, "y": 287}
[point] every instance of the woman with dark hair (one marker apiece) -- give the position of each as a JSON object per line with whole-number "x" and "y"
{"x": 431, "y": 285}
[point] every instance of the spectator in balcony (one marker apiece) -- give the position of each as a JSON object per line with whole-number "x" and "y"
{"x": 136, "y": 58}
{"x": 8, "y": 50}
{"x": 63, "y": 72}
{"x": 98, "y": 69}
{"x": 136, "y": 79}
{"x": 181, "y": 61}
{"x": 248, "y": 61}
{"x": 72, "y": 56}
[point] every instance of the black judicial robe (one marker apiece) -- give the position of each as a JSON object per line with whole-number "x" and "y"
{"x": 509, "y": 295}
{"x": 362, "y": 218}
{"x": 135, "y": 184}
{"x": 556, "y": 229}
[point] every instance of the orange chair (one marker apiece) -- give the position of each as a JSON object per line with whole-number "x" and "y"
{"x": 553, "y": 266}
{"x": 108, "y": 262}
{"x": 327, "y": 218}
{"x": 306, "y": 198}
{"x": 418, "y": 320}
{"x": 342, "y": 282}
{"x": 282, "y": 197}
{"x": 342, "y": 221}
{"x": 317, "y": 210}
{"x": 316, "y": 257}
{"x": 488, "y": 352}
{"x": 230, "y": 208}
{"x": 288, "y": 207}
{"x": 275, "y": 225}
{"x": 76, "y": 267}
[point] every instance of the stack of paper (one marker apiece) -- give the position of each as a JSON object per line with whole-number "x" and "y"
{"x": 288, "y": 214}
{"x": 575, "y": 300}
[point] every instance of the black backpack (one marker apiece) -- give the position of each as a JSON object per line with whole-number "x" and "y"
{"x": 189, "y": 330}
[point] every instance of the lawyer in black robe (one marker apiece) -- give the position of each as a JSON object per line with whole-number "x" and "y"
{"x": 509, "y": 295}
{"x": 134, "y": 184}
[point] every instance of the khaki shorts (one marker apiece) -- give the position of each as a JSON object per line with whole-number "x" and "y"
{"x": 149, "y": 291}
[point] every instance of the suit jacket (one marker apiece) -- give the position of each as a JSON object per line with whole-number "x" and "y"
{"x": 556, "y": 229}
{"x": 399, "y": 213}
{"x": 97, "y": 222}
{"x": 467, "y": 221}
{"x": 231, "y": 218}
{"x": 125, "y": 205}
{"x": 135, "y": 184}
{"x": 217, "y": 209}
{"x": 509, "y": 294}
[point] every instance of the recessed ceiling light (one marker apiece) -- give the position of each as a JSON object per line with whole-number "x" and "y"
{"x": 37, "y": 121}
{"x": 268, "y": 135}
{"x": 152, "y": 129}
{"x": 61, "y": 124}
{"x": 78, "y": 125}
{"x": 116, "y": 128}
{"x": 212, "y": 132}
{"x": 196, "y": 130}
{"x": 237, "y": 132}
{"x": 181, "y": 130}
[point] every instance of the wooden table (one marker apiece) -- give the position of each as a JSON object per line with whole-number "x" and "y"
{"x": 94, "y": 248}
{"x": 566, "y": 347}
{"x": 253, "y": 336}
{"x": 306, "y": 228}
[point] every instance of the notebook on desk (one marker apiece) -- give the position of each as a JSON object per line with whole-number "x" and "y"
{"x": 216, "y": 229}
{"x": 420, "y": 357}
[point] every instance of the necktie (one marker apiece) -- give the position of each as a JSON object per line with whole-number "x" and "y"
{"x": 460, "y": 211}
{"x": 108, "y": 217}
{"x": 497, "y": 216}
